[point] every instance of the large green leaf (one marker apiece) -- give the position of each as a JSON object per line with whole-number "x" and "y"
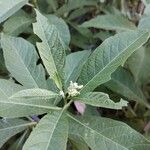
{"x": 20, "y": 59}
{"x": 123, "y": 83}
{"x": 51, "y": 49}
{"x": 20, "y": 107}
{"x": 139, "y": 63}
{"x": 17, "y": 23}
{"x": 112, "y": 53}
{"x": 10, "y": 127}
{"x": 100, "y": 99}
{"x": 9, "y": 7}
{"x": 74, "y": 64}
{"x": 110, "y": 22}
{"x": 105, "y": 134}
{"x": 50, "y": 134}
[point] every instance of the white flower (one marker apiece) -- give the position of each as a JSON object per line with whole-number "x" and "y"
{"x": 73, "y": 89}
{"x": 62, "y": 94}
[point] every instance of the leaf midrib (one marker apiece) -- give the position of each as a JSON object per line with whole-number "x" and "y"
{"x": 31, "y": 105}
{"x": 46, "y": 42}
{"x": 54, "y": 130}
{"x": 95, "y": 131}
{"x": 35, "y": 96}
{"x": 18, "y": 126}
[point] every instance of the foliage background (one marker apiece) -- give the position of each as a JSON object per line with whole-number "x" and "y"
{"x": 130, "y": 82}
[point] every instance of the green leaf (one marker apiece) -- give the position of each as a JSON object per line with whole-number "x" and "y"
{"x": 105, "y": 134}
{"x": 100, "y": 99}
{"x": 52, "y": 86}
{"x": 17, "y": 23}
{"x": 82, "y": 31}
{"x": 91, "y": 110}
{"x": 79, "y": 12}
{"x": 61, "y": 26}
{"x": 110, "y": 22}
{"x": 10, "y": 127}
{"x": 103, "y": 35}
{"x": 74, "y": 64}
{"x": 146, "y": 9}
{"x": 20, "y": 107}
{"x": 112, "y": 53}
{"x": 8, "y": 88}
{"x": 138, "y": 64}
{"x": 20, "y": 59}
{"x": 123, "y": 83}
{"x": 79, "y": 41}
{"x": 34, "y": 93}
{"x": 18, "y": 144}
{"x": 74, "y": 4}
{"x": 51, "y": 49}
{"x": 9, "y": 7}
{"x": 144, "y": 23}
{"x": 50, "y": 134}
{"x": 38, "y": 94}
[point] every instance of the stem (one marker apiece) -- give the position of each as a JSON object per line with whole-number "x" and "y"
{"x": 35, "y": 3}
{"x": 65, "y": 101}
{"x": 67, "y": 105}
{"x": 135, "y": 106}
{"x": 32, "y": 123}
{"x": 31, "y": 5}
{"x": 29, "y": 118}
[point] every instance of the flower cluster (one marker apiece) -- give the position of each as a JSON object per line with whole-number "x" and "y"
{"x": 73, "y": 89}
